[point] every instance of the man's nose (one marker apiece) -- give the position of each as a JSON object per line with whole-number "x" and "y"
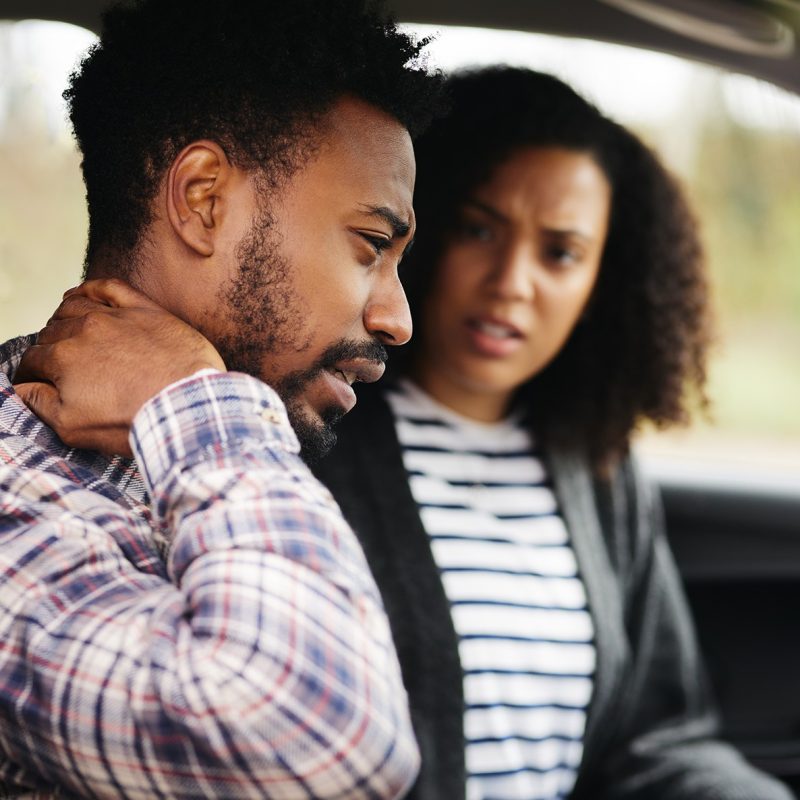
{"x": 387, "y": 315}
{"x": 513, "y": 274}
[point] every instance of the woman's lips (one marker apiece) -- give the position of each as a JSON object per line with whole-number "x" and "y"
{"x": 492, "y": 337}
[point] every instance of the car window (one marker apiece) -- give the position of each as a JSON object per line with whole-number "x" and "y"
{"x": 43, "y": 219}
{"x": 735, "y": 143}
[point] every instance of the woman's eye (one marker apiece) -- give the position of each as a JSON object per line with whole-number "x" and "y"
{"x": 475, "y": 230}
{"x": 563, "y": 256}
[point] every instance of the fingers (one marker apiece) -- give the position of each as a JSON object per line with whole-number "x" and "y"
{"x": 58, "y": 329}
{"x": 101, "y": 294}
{"x": 36, "y": 365}
{"x": 76, "y": 305}
{"x": 42, "y": 399}
{"x": 111, "y": 292}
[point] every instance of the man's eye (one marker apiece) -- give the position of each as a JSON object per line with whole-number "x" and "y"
{"x": 378, "y": 243}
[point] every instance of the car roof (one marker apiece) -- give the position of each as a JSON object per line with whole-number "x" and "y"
{"x": 755, "y": 37}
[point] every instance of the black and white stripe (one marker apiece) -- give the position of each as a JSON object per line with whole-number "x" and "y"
{"x": 518, "y": 603}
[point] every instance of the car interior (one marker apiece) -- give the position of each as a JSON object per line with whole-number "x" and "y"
{"x": 733, "y": 522}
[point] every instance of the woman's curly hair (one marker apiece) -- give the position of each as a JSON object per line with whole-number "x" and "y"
{"x": 642, "y": 342}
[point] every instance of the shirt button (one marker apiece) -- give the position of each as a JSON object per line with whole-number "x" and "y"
{"x": 271, "y": 415}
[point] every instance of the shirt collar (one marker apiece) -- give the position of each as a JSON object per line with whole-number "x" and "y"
{"x": 11, "y": 353}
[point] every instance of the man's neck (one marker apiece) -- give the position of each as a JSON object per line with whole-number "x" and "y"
{"x": 107, "y": 262}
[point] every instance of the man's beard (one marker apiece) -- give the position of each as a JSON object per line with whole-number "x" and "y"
{"x": 316, "y": 439}
{"x": 267, "y": 308}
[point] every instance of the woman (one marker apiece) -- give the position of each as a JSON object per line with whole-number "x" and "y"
{"x": 559, "y": 300}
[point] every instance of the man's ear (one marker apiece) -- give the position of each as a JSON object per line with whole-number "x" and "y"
{"x": 196, "y": 182}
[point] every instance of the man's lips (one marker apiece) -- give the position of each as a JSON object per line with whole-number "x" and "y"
{"x": 360, "y": 370}
{"x": 344, "y": 374}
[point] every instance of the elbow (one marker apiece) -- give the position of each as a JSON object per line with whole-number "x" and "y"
{"x": 305, "y": 736}
{"x": 342, "y": 744}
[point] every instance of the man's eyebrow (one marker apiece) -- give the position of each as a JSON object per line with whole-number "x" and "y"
{"x": 399, "y": 226}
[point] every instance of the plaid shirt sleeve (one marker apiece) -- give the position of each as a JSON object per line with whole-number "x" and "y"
{"x": 259, "y": 665}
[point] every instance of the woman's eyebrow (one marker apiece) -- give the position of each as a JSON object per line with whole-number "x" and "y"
{"x": 491, "y": 211}
{"x": 486, "y": 209}
{"x": 567, "y": 233}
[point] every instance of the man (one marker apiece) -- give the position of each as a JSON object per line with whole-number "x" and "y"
{"x": 199, "y": 621}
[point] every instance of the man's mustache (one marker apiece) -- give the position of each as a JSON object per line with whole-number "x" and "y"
{"x": 346, "y": 350}
{"x": 341, "y": 351}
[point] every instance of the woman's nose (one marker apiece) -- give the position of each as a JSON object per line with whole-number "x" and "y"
{"x": 513, "y": 275}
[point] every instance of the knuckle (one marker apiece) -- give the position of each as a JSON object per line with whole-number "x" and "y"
{"x": 60, "y": 423}
{"x": 35, "y": 398}
{"x": 57, "y": 420}
{"x": 111, "y": 284}
{"x": 69, "y": 307}
{"x": 91, "y": 322}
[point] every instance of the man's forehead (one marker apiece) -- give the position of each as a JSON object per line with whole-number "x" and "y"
{"x": 348, "y": 112}
{"x": 360, "y": 130}
{"x": 367, "y": 155}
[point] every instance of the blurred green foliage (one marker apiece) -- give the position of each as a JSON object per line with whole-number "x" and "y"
{"x": 747, "y": 193}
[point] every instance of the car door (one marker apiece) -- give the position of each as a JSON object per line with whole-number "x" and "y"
{"x": 737, "y": 542}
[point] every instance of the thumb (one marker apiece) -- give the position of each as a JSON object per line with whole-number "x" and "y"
{"x": 41, "y": 398}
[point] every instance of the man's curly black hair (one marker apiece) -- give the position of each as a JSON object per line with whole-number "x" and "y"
{"x": 256, "y": 76}
{"x": 643, "y": 340}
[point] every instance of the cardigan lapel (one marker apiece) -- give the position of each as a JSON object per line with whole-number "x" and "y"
{"x": 577, "y": 502}
{"x": 368, "y": 478}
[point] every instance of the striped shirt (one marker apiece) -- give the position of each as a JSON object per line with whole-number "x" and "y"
{"x": 248, "y": 657}
{"x": 518, "y": 603}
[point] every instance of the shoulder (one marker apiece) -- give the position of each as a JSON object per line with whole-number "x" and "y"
{"x": 622, "y": 503}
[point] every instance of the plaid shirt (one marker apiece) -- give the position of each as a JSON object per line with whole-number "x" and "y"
{"x": 197, "y": 623}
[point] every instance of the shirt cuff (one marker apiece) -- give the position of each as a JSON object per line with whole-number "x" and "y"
{"x": 203, "y": 415}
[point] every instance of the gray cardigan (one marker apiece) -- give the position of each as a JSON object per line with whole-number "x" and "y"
{"x": 651, "y": 727}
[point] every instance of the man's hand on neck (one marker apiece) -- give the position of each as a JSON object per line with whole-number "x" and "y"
{"x": 105, "y": 352}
